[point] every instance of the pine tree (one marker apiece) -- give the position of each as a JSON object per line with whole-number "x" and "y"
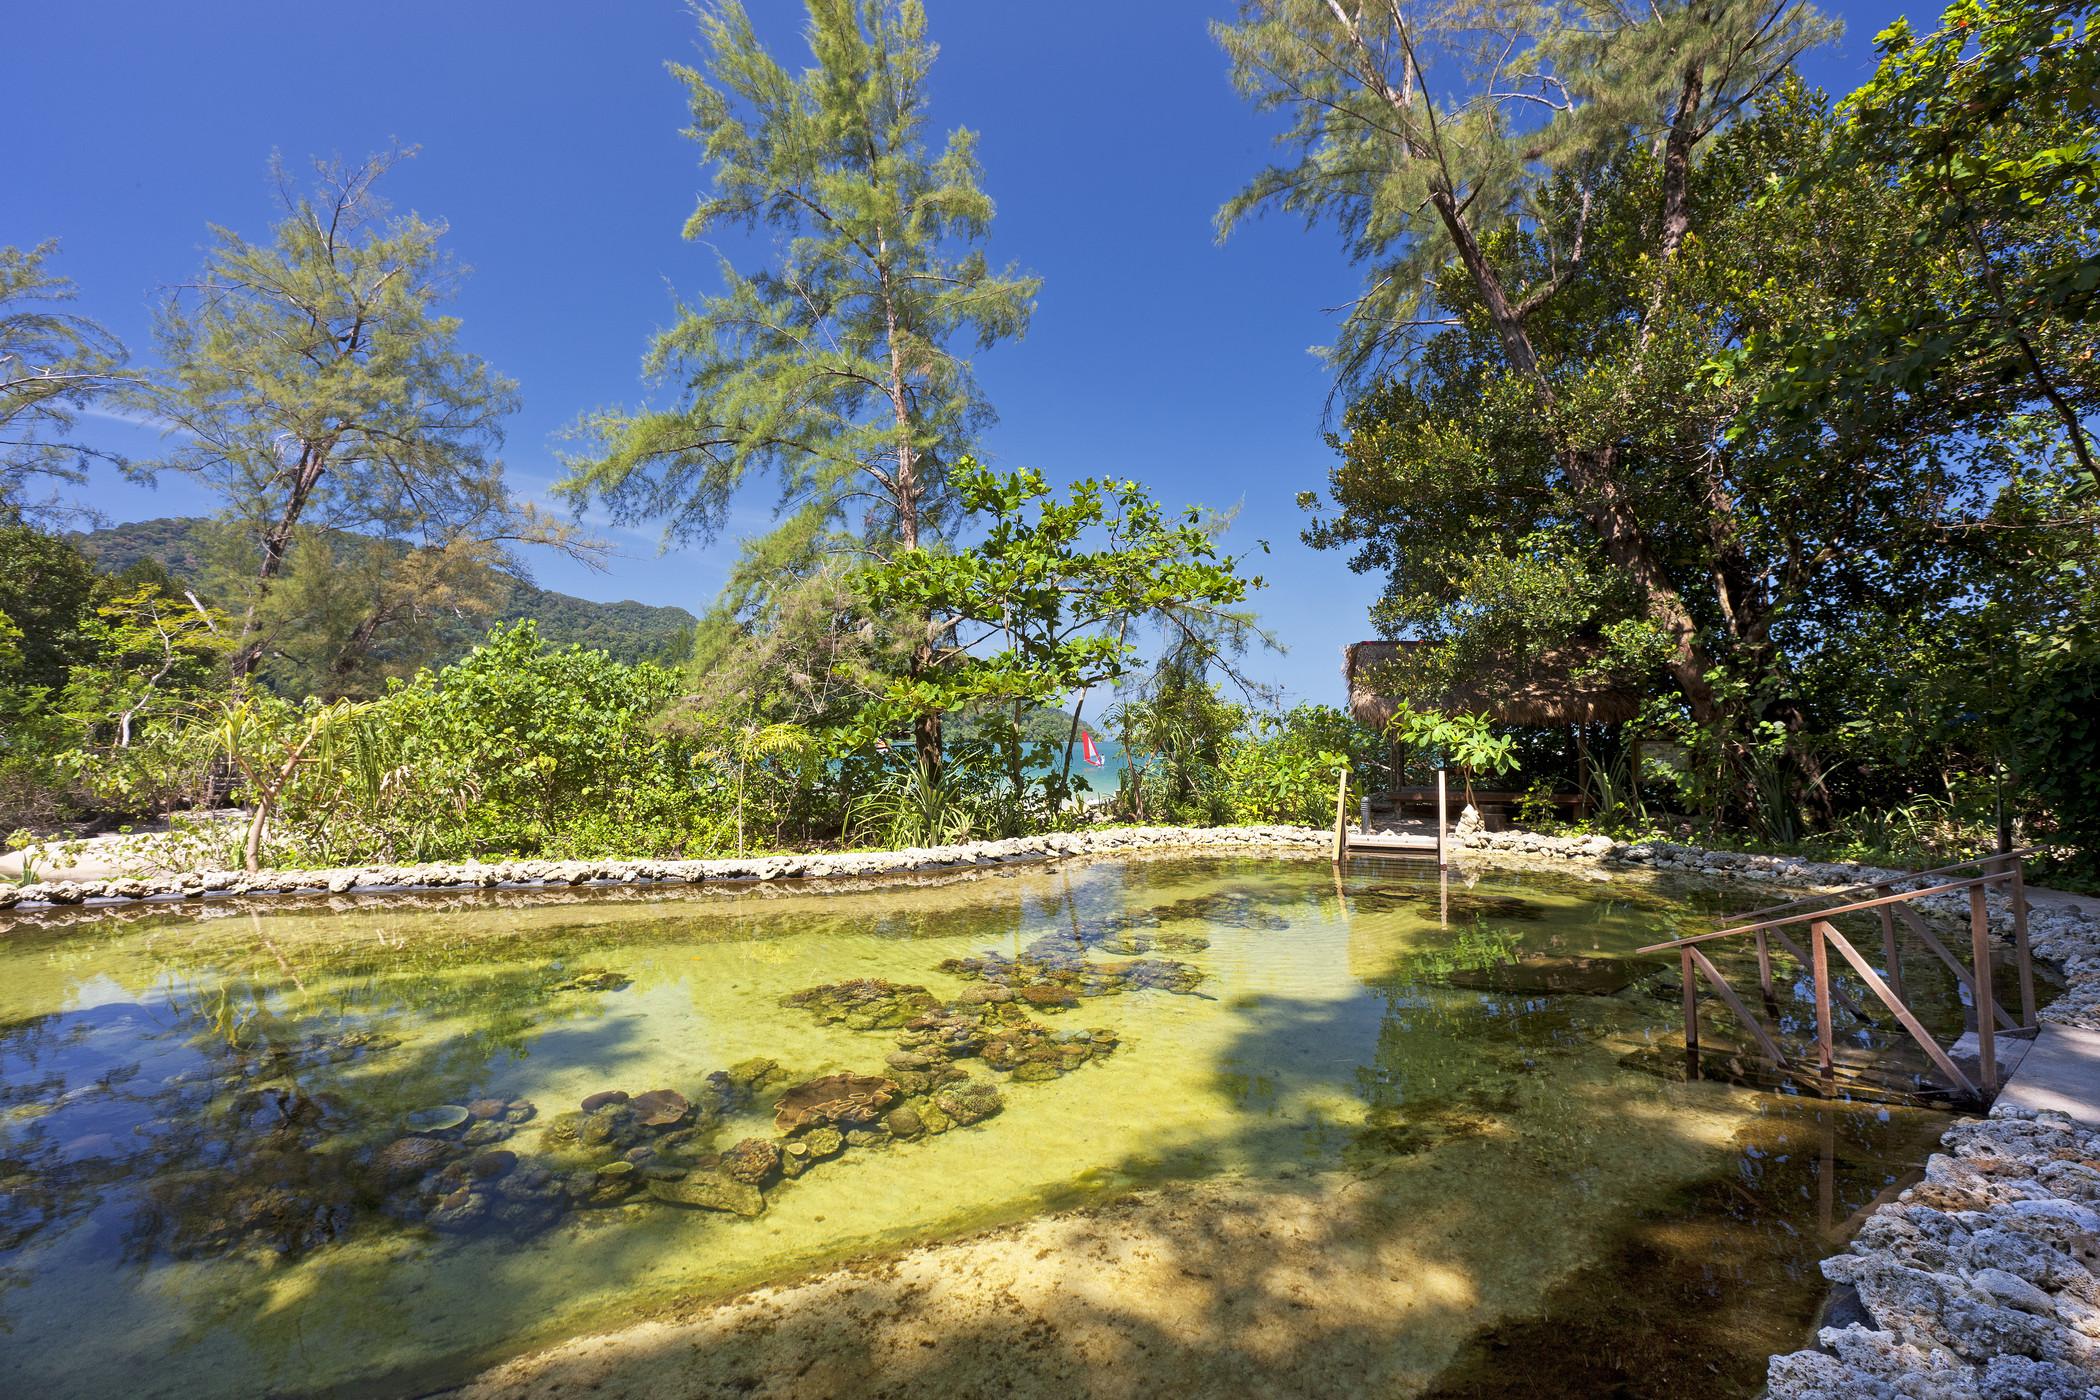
{"x": 834, "y": 370}
{"x": 53, "y": 363}
{"x": 316, "y": 383}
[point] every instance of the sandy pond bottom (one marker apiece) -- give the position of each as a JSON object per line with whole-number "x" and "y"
{"x": 1297, "y": 1135}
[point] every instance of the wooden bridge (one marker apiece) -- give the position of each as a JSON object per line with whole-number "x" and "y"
{"x": 1977, "y": 1079}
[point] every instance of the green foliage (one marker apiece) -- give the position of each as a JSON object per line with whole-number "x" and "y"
{"x": 917, "y": 807}
{"x": 438, "y": 631}
{"x": 1421, "y": 173}
{"x": 1466, "y": 742}
{"x": 1286, "y": 769}
{"x": 1044, "y": 605}
{"x": 53, "y": 363}
{"x": 153, "y": 663}
{"x": 1989, "y": 130}
{"x": 1175, "y": 732}
{"x": 2058, "y": 724}
{"x": 836, "y": 370}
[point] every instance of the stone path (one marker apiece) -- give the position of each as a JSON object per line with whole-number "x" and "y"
{"x": 2060, "y": 1074}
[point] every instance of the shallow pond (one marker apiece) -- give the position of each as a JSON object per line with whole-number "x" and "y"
{"x": 280, "y": 1149}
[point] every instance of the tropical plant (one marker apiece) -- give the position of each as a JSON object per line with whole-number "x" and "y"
{"x": 920, "y": 807}
{"x": 1044, "y": 605}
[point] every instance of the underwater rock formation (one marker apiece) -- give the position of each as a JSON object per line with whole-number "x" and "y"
{"x": 754, "y": 1162}
{"x": 866, "y": 1004}
{"x": 661, "y": 1108}
{"x": 711, "y": 1193}
{"x": 594, "y": 979}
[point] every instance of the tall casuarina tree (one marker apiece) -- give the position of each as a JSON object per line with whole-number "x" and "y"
{"x": 1431, "y": 132}
{"x": 833, "y": 370}
{"x": 316, "y": 382}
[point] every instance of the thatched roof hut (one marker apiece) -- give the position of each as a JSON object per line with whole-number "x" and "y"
{"x": 1549, "y": 693}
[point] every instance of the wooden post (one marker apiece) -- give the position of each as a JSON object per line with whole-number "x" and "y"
{"x": 1341, "y": 814}
{"x": 1901, "y": 1012}
{"x": 1764, "y": 967}
{"x": 2021, "y": 951}
{"x": 1986, "y": 1008}
{"x": 1440, "y": 817}
{"x": 1819, "y": 958}
{"x": 1691, "y": 1011}
{"x": 1889, "y": 952}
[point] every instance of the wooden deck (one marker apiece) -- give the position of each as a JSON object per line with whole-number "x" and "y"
{"x": 1373, "y": 842}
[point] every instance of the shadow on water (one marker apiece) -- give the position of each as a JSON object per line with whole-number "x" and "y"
{"x": 1434, "y": 1266}
{"x": 1434, "y": 1187}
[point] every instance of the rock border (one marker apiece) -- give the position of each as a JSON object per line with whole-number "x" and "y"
{"x": 1980, "y": 1280}
{"x": 559, "y": 874}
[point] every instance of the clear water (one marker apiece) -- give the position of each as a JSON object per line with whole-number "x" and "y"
{"x": 203, "y": 1113}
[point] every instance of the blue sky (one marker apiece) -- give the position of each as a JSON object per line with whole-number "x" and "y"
{"x": 549, "y": 142}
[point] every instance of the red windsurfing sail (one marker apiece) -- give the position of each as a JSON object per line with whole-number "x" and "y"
{"x": 1087, "y": 750}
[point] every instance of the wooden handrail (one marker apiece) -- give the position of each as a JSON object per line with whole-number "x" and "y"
{"x": 1816, "y": 912}
{"x": 1809, "y": 915}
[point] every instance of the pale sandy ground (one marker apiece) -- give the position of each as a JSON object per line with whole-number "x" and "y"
{"x": 1193, "y": 1291}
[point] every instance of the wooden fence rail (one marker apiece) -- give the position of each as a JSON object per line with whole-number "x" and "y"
{"x": 1815, "y": 914}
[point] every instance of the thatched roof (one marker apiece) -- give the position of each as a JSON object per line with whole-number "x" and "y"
{"x": 1547, "y": 694}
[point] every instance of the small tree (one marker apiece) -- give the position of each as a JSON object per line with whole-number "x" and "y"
{"x": 1466, "y": 742}
{"x": 1043, "y": 605}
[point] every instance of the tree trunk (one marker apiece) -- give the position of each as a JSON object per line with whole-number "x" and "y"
{"x": 313, "y": 460}
{"x": 926, "y": 728}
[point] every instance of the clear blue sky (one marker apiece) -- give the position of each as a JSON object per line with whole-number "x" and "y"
{"x": 549, "y": 142}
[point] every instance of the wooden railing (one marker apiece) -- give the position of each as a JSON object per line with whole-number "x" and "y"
{"x": 1769, "y": 926}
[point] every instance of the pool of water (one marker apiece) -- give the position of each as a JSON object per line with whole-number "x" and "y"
{"x": 298, "y": 1151}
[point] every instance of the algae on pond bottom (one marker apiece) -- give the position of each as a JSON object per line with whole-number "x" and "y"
{"x": 237, "y": 1142}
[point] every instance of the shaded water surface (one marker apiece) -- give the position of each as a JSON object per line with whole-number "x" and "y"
{"x": 370, "y": 1152}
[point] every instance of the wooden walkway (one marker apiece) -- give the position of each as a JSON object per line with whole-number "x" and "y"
{"x": 1376, "y": 842}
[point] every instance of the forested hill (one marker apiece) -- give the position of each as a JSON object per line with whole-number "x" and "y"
{"x": 629, "y": 631}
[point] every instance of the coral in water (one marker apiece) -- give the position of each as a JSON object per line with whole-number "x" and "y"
{"x": 866, "y": 1004}
{"x": 660, "y": 1108}
{"x": 848, "y": 1100}
{"x": 754, "y": 1161}
{"x": 970, "y": 1102}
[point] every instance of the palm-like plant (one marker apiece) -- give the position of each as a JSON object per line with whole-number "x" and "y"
{"x": 754, "y": 742}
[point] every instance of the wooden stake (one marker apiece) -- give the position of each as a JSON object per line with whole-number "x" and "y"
{"x": 1986, "y": 1007}
{"x": 1691, "y": 1010}
{"x": 1819, "y": 958}
{"x": 1341, "y": 815}
{"x": 1440, "y": 816}
{"x": 1889, "y": 952}
{"x": 2021, "y": 951}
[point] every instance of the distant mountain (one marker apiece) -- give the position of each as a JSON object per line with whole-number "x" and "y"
{"x": 628, "y": 631}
